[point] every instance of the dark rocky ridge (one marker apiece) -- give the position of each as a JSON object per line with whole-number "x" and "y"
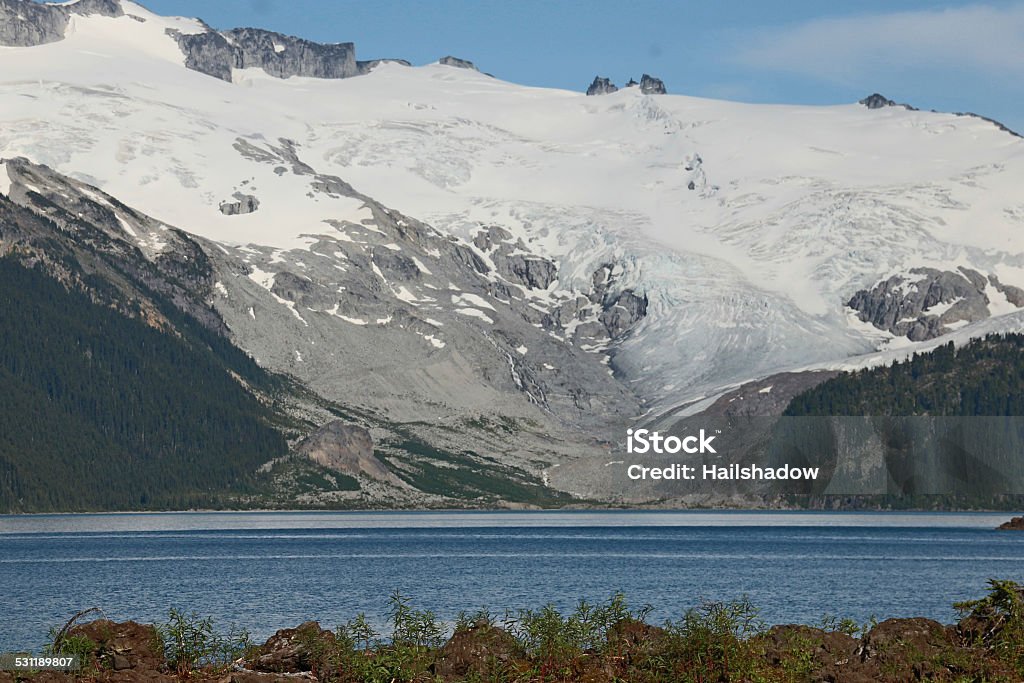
{"x": 91, "y": 231}
{"x": 458, "y": 63}
{"x": 995, "y": 123}
{"x": 649, "y": 85}
{"x": 878, "y": 101}
{"x": 218, "y": 54}
{"x": 24, "y": 23}
{"x": 601, "y": 86}
{"x": 901, "y": 305}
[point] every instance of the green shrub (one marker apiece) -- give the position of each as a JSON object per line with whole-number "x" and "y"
{"x": 1002, "y": 613}
{"x": 713, "y": 643}
{"x": 190, "y": 643}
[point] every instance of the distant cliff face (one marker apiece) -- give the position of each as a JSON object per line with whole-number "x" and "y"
{"x": 217, "y": 54}
{"x": 26, "y": 24}
{"x": 457, "y": 62}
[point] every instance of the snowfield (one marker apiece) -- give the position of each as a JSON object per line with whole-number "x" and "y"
{"x": 749, "y": 227}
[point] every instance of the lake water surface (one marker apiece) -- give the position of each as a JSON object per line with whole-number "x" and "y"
{"x": 265, "y": 571}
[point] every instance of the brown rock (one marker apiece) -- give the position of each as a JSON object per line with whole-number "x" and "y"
{"x": 1015, "y": 524}
{"x": 130, "y": 644}
{"x": 907, "y": 650}
{"x": 833, "y": 655}
{"x": 634, "y": 639}
{"x": 477, "y": 652}
{"x": 292, "y": 650}
{"x": 347, "y": 449}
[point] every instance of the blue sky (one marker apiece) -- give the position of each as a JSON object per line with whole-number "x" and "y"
{"x": 947, "y": 56}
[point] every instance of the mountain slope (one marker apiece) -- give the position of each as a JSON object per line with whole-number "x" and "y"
{"x": 984, "y": 377}
{"x": 794, "y": 209}
{"x": 120, "y": 390}
{"x": 518, "y": 272}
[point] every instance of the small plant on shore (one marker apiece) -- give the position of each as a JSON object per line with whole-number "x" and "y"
{"x": 66, "y": 643}
{"x": 713, "y": 642}
{"x": 1000, "y": 615}
{"x": 190, "y": 643}
{"x": 850, "y": 627}
{"x": 75, "y": 645}
{"x": 465, "y": 621}
{"x": 411, "y": 627}
{"x": 358, "y": 653}
{"x": 557, "y": 644}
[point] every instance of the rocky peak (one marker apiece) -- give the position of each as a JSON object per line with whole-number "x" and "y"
{"x": 877, "y": 101}
{"x": 649, "y": 85}
{"x": 601, "y": 86}
{"x": 458, "y": 63}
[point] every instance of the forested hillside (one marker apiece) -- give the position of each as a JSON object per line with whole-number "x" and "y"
{"x": 984, "y": 377}
{"x": 103, "y": 411}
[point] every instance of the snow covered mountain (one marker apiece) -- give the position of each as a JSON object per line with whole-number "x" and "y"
{"x": 454, "y": 250}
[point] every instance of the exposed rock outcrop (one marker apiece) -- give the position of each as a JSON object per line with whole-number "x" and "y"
{"x": 831, "y": 655}
{"x": 347, "y": 449}
{"x": 877, "y": 101}
{"x": 291, "y": 650}
{"x": 649, "y": 85}
{"x": 995, "y": 123}
{"x": 906, "y": 649}
{"x": 1015, "y": 524}
{"x": 124, "y": 647}
{"x": 282, "y": 56}
{"x": 477, "y": 653}
{"x": 622, "y": 312}
{"x": 365, "y": 67}
{"x": 924, "y": 303}
{"x": 26, "y": 24}
{"x": 243, "y": 204}
{"x": 458, "y": 63}
{"x": 601, "y": 86}
{"x": 285, "y": 56}
{"x": 105, "y": 8}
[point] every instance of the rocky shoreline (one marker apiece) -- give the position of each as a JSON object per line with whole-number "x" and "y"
{"x": 607, "y": 642}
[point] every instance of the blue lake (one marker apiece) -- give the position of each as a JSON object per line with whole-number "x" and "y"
{"x": 264, "y": 571}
